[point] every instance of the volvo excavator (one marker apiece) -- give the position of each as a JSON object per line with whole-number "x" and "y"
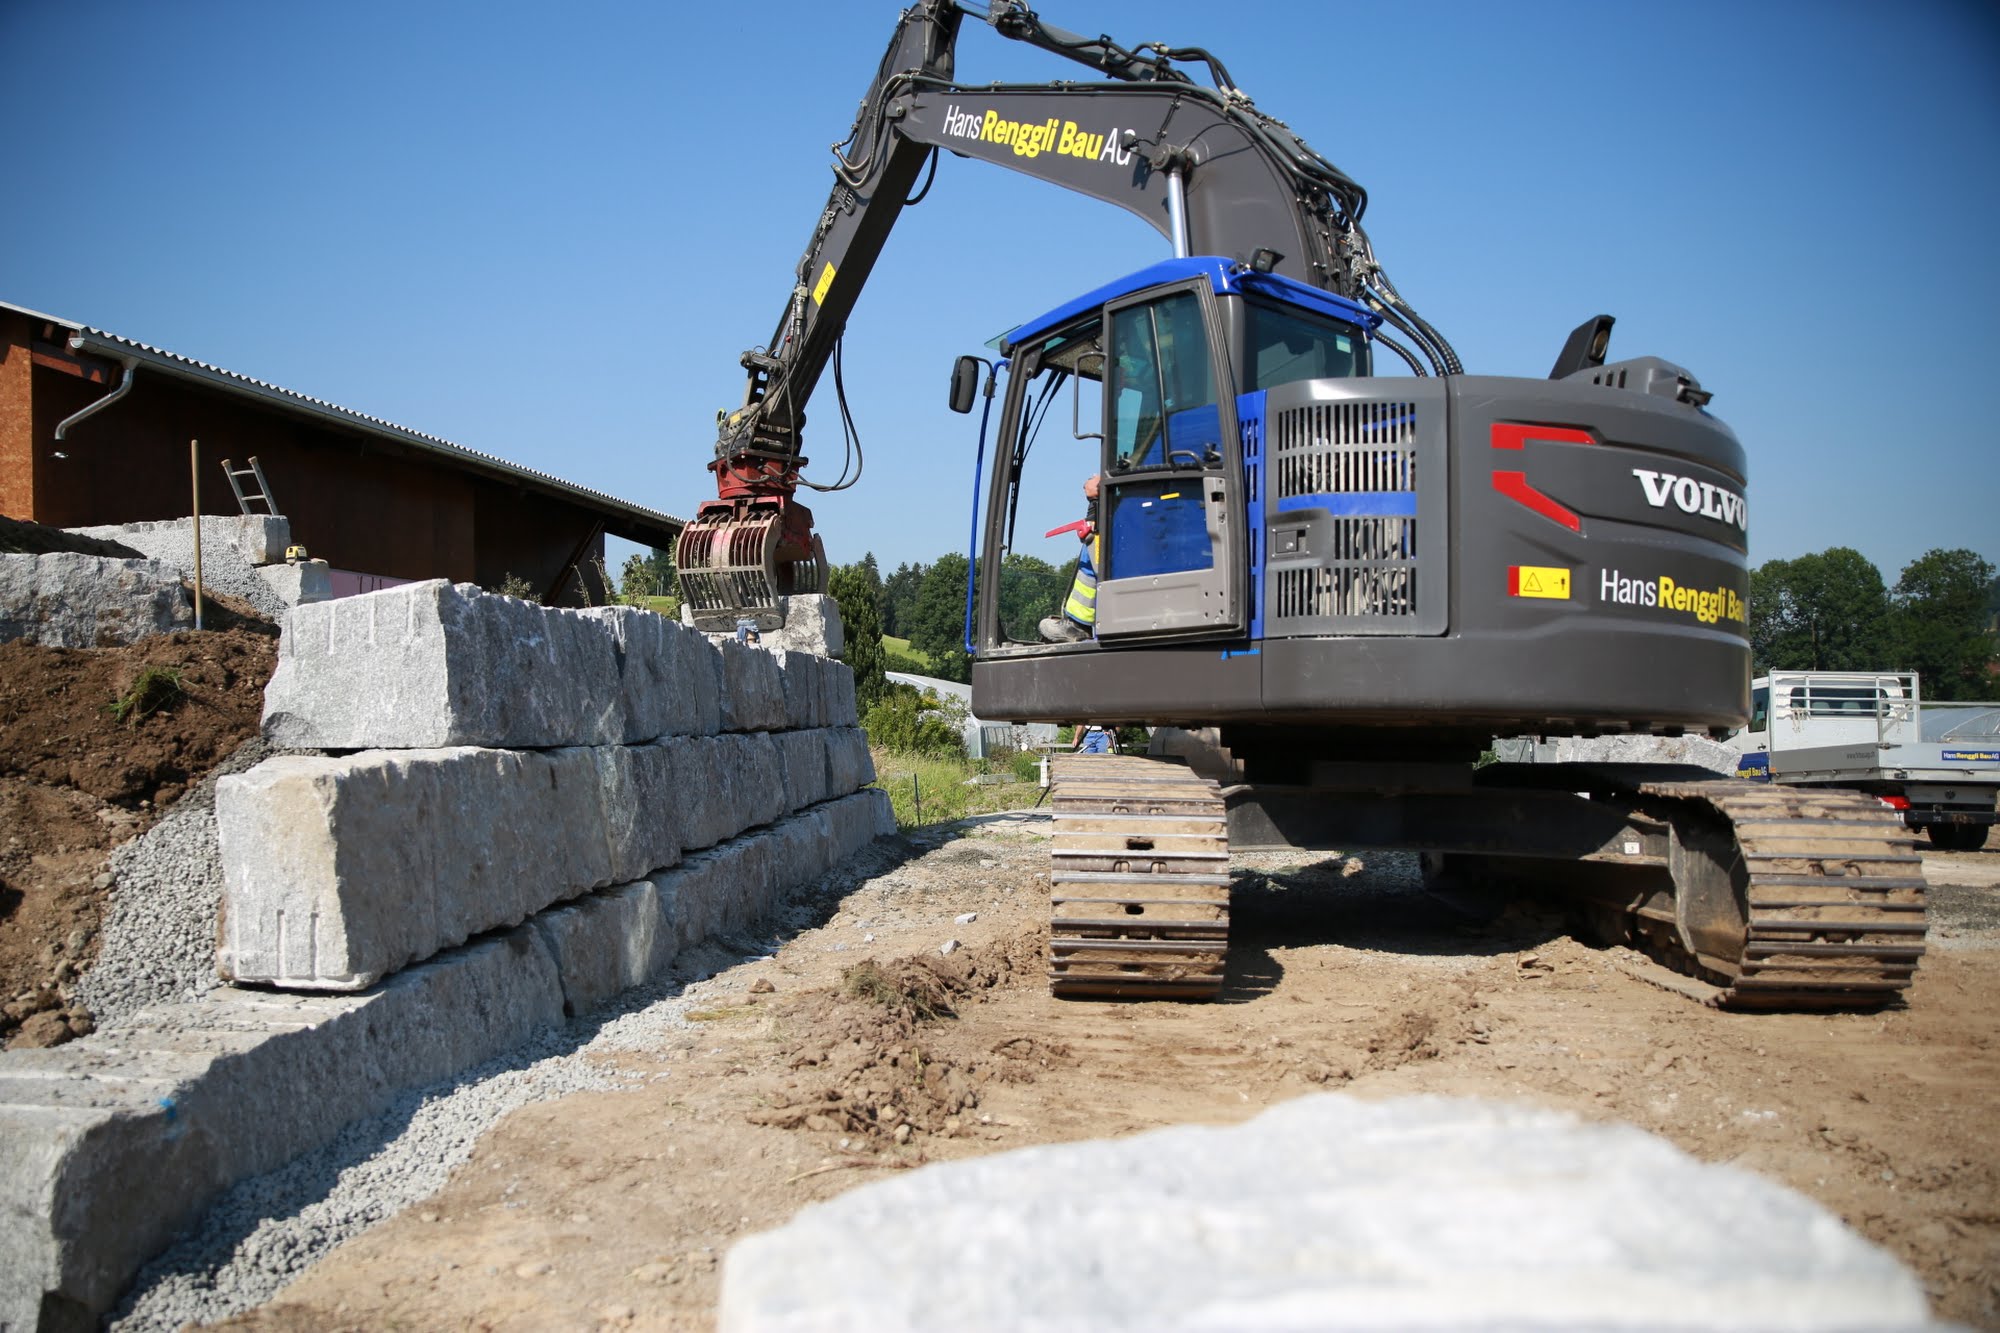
{"x": 1333, "y": 587}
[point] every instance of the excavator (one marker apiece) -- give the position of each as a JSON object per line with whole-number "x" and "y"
{"x": 1326, "y": 588}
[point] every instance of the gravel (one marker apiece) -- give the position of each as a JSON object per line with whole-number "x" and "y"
{"x": 266, "y": 1231}
{"x": 158, "y": 941}
{"x": 269, "y": 1229}
{"x": 224, "y": 568}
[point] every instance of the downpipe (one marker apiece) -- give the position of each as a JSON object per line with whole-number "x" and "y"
{"x": 130, "y": 364}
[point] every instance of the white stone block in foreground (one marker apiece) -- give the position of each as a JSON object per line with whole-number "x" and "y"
{"x": 1324, "y": 1213}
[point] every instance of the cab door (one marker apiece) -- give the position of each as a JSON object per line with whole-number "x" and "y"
{"x": 1173, "y": 559}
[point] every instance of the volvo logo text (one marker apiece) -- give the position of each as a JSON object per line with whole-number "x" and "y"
{"x": 1693, "y": 497}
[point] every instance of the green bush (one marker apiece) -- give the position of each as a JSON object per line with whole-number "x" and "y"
{"x": 1027, "y": 766}
{"x": 906, "y": 722}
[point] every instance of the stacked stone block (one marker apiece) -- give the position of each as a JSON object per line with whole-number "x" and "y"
{"x": 541, "y": 755}
{"x": 538, "y": 810}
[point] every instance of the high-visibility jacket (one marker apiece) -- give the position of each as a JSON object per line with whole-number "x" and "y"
{"x": 1081, "y": 605}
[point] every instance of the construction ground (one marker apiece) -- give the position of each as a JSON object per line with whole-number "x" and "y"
{"x": 612, "y": 1209}
{"x": 597, "y": 1181}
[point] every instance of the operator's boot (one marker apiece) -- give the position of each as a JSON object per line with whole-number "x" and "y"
{"x": 1061, "y": 629}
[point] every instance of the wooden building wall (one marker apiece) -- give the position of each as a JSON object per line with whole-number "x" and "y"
{"x": 357, "y": 501}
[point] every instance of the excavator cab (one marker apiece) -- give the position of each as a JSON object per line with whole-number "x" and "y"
{"x": 1165, "y": 358}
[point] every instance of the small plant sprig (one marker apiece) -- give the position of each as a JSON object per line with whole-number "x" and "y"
{"x": 156, "y": 690}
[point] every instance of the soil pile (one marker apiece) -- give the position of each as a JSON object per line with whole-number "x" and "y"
{"x": 94, "y": 743}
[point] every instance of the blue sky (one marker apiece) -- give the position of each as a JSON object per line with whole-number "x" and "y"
{"x": 547, "y": 232}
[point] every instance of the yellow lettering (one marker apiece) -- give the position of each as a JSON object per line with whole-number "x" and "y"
{"x": 989, "y": 128}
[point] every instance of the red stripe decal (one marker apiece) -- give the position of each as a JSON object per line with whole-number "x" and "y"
{"x": 1511, "y": 434}
{"x": 1513, "y": 580}
{"x": 1514, "y": 485}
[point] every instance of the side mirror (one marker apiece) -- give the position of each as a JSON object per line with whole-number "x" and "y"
{"x": 964, "y": 383}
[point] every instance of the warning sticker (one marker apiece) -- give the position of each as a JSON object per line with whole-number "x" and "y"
{"x": 819, "y": 288}
{"x": 1537, "y": 581}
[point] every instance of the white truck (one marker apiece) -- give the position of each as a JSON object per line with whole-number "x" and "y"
{"x": 1937, "y": 763}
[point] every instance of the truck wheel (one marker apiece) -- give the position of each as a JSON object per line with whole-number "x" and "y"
{"x": 1957, "y": 837}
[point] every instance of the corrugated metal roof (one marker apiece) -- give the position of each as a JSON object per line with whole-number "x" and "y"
{"x": 106, "y": 343}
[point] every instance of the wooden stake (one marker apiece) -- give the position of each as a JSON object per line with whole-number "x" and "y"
{"x": 194, "y": 473}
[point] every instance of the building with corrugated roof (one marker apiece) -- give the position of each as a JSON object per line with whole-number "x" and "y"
{"x": 95, "y": 427}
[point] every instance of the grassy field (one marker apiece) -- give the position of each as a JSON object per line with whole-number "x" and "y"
{"x": 901, "y": 648}
{"x": 936, "y": 791}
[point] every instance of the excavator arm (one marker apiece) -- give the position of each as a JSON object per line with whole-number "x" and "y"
{"x": 1197, "y": 161}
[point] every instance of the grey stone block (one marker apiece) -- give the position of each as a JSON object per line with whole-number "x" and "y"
{"x": 436, "y": 664}
{"x": 111, "y": 1145}
{"x": 840, "y": 696}
{"x": 339, "y": 871}
{"x": 802, "y": 761}
{"x": 659, "y": 690}
{"x": 65, "y": 600}
{"x": 849, "y": 765}
{"x": 301, "y": 584}
{"x": 857, "y": 820}
{"x": 606, "y": 943}
{"x": 752, "y": 689}
{"x": 801, "y": 849}
{"x": 642, "y": 823}
{"x": 1698, "y": 751}
{"x": 1327, "y": 1211}
{"x": 701, "y": 666}
{"x": 260, "y": 539}
{"x": 233, "y": 547}
{"x": 812, "y": 625}
{"x": 803, "y": 678}
{"x": 749, "y": 766}
{"x": 707, "y": 815}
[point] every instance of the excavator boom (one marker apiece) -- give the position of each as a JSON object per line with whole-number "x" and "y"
{"x": 1198, "y": 162}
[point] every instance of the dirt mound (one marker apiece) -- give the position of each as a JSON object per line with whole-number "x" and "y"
{"x": 864, "y": 1064}
{"x": 20, "y": 537}
{"x": 131, "y": 725}
{"x": 93, "y": 744}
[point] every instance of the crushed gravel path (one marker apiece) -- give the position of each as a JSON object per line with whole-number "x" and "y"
{"x": 269, "y": 1229}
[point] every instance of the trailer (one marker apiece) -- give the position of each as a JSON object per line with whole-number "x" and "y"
{"x": 1937, "y": 764}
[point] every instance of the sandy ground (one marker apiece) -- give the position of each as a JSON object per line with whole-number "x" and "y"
{"x": 802, "y": 1078}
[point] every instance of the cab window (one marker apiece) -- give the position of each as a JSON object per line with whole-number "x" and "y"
{"x": 1286, "y": 344}
{"x": 1160, "y": 402}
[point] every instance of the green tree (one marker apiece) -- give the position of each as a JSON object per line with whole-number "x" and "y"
{"x": 1823, "y": 612}
{"x": 647, "y": 575}
{"x": 1941, "y": 624}
{"x": 899, "y": 599}
{"x": 861, "y": 624}
{"x": 937, "y": 621}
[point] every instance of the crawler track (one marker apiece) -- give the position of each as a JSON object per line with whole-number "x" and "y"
{"x": 1139, "y": 880}
{"x": 1793, "y": 897}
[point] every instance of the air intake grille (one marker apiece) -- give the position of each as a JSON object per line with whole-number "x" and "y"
{"x": 1345, "y": 447}
{"x": 1349, "y": 472}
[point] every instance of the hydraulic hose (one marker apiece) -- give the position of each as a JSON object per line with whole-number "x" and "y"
{"x": 1416, "y": 367}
